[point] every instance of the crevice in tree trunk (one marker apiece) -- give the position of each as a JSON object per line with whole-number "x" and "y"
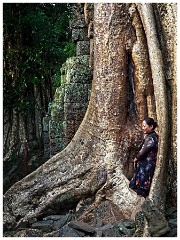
{"x": 132, "y": 109}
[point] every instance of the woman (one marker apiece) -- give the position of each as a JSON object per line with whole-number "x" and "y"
{"x": 145, "y": 160}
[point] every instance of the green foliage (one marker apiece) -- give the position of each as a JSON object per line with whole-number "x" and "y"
{"x": 57, "y": 80}
{"x": 70, "y": 49}
{"x": 25, "y": 105}
{"x": 36, "y": 41}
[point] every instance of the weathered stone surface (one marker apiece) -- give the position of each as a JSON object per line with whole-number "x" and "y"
{"x": 79, "y": 34}
{"x": 105, "y": 227}
{"x": 81, "y": 226}
{"x": 157, "y": 224}
{"x": 125, "y": 227}
{"x": 70, "y": 232}
{"x": 56, "y": 217}
{"x": 171, "y": 233}
{"x": 43, "y": 225}
{"x": 29, "y": 233}
{"x": 110, "y": 233}
{"x": 173, "y": 223}
{"x": 69, "y": 105}
{"x": 83, "y": 48}
{"x": 121, "y": 228}
{"x": 61, "y": 222}
{"x": 171, "y": 212}
{"x": 51, "y": 234}
{"x": 99, "y": 233}
{"x": 108, "y": 212}
{"x": 78, "y": 23}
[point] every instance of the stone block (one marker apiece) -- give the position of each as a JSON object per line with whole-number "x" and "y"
{"x": 83, "y": 48}
{"x": 45, "y": 225}
{"x": 77, "y": 23}
{"x": 66, "y": 231}
{"x": 81, "y": 226}
{"x": 80, "y": 34}
{"x": 29, "y": 233}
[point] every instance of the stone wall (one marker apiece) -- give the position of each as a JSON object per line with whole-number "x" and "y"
{"x": 69, "y": 105}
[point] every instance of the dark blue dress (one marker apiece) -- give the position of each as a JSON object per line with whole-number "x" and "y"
{"x": 141, "y": 181}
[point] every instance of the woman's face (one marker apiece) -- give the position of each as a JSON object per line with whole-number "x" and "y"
{"x": 146, "y": 128}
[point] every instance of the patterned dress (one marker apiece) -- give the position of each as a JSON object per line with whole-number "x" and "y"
{"x": 141, "y": 181}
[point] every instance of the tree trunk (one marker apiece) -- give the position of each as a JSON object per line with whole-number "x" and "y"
{"x": 128, "y": 84}
{"x": 14, "y": 145}
{"x": 158, "y": 190}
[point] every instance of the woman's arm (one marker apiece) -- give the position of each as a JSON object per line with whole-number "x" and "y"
{"x": 149, "y": 143}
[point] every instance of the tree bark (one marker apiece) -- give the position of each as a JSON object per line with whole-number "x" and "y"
{"x": 14, "y": 145}
{"x": 97, "y": 162}
{"x": 158, "y": 189}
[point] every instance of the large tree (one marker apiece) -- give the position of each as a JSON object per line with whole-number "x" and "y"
{"x": 130, "y": 82}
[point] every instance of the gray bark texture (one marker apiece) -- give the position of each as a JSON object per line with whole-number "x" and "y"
{"x": 129, "y": 83}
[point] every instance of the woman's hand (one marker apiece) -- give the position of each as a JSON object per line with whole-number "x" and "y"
{"x": 135, "y": 162}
